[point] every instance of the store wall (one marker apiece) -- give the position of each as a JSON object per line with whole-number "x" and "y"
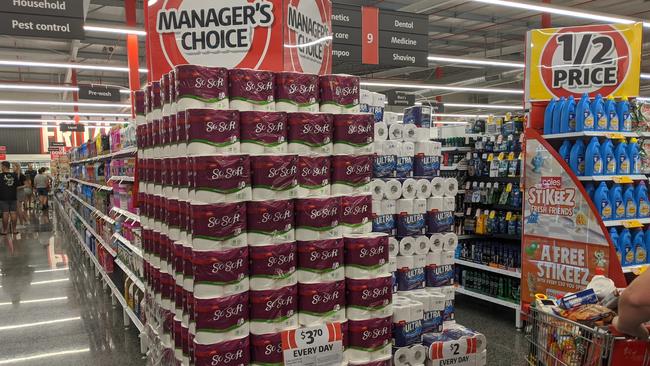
{"x": 21, "y": 140}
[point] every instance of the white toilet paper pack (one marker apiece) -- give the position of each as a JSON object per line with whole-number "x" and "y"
{"x": 273, "y": 311}
{"x": 220, "y": 273}
{"x": 411, "y": 355}
{"x": 274, "y": 176}
{"x": 310, "y": 133}
{"x": 439, "y": 221}
{"x": 218, "y": 226}
{"x": 220, "y": 178}
{"x": 353, "y": 133}
{"x": 236, "y": 351}
{"x": 314, "y": 176}
{"x": 366, "y": 255}
{"x": 263, "y": 132}
{"x": 201, "y": 87}
{"x": 351, "y": 174}
{"x": 410, "y": 224}
{"x": 410, "y": 278}
{"x": 384, "y": 223}
{"x": 140, "y": 111}
{"x": 221, "y": 319}
{"x": 356, "y": 214}
{"x": 339, "y": 94}
{"x": 269, "y": 222}
{"x": 369, "y": 340}
{"x": 320, "y": 260}
{"x": 321, "y": 302}
{"x": 369, "y": 298}
{"x": 211, "y": 131}
{"x": 440, "y": 273}
{"x": 317, "y": 218}
{"x": 384, "y": 166}
{"x": 273, "y": 266}
{"x": 251, "y": 90}
{"x": 296, "y": 92}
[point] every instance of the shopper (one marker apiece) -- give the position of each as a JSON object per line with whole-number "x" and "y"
{"x": 42, "y": 183}
{"x": 634, "y": 308}
{"x": 31, "y": 174}
{"x": 8, "y": 196}
{"x": 20, "y": 193}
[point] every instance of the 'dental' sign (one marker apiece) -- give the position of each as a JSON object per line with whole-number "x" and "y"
{"x": 276, "y": 35}
{"x": 594, "y": 59}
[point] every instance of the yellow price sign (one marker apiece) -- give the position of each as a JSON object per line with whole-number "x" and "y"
{"x": 492, "y": 214}
{"x": 511, "y": 156}
{"x": 614, "y": 136}
{"x": 501, "y": 156}
{"x": 508, "y": 216}
{"x": 509, "y": 187}
{"x": 622, "y": 180}
{"x": 632, "y": 224}
{"x": 490, "y": 157}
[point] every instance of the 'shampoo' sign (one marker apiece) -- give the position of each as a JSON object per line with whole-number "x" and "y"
{"x": 266, "y": 34}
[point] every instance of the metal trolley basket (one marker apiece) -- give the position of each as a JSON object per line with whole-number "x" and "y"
{"x": 556, "y": 341}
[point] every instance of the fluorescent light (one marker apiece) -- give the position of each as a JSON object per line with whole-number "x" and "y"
{"x": 125, "y": 91}
{"x": 451, "y": 122}
{"x": 151, "y": 2}
{"x": 460, "y": 60}
{"x": 43, "y": 355}
{"x": 38, "y": 87}
{"x": 63, "y": 104}
{"x": 314, "y": 42}
{"x": 58, "y": 121}
{"x": 645, "y": 76}
{"x": 417, "y": 103}
{"x": 47, "y": 113}
{"x": 559, "y": 11}
{"x": 483, "y": 106}
{"x": 67, "y": 65}
{"x": 459, "y": 115}
{"x": 94, "y": 28}
{"x": 45, "y": 126}
{"x": 50, "y": 281}
{"x": 643, "y": 99}
{"x": 49, "y": 299}
{"x": 26, "y": 325}
{"x": 443, "y": 87}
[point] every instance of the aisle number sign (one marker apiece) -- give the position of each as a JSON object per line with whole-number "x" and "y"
{"x": 319, "y": 345}
{"x": 594, "y": 59}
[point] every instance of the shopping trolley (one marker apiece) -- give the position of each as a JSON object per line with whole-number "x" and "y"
{"x": 556, "y": 341}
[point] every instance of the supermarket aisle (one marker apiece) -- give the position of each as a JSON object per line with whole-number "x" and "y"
{"x": 52, "y": 309}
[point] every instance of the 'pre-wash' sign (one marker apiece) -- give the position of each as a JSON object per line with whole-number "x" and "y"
{"x": 594, "y": 59}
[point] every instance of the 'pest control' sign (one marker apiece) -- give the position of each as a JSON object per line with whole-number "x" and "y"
{"x": 596, "y": 59}
{"x": 276, "y": 35}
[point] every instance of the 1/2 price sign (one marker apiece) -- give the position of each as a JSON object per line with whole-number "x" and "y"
{"x": 595, "y": 59}
{"x": 319, "y": 345}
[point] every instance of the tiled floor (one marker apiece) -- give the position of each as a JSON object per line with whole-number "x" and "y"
{"x": 53, "y": 311}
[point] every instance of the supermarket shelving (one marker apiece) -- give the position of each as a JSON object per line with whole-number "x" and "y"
{"x": 121, "y": 178}
{"x": 490, "y": 236}
{"x": 609, "y": 134}
{"x": 95, "y": 185}
{"x": 125, "y": 151}
{"x": 453, "y": 167}
{"x": 494, "y": 300}
{"x": 127, "y": 214}
{"x": 99, "y": 239}
{"x": 633, "y": 269}
{"x": 627, "y": 223}
{"x": 601, "y": 178}
{"x": 127, "y": 271}
{"x": 456, "y": 148}
{"x": 494, "y": 179}
{"x": 93, "y": 209}
{"x": 483, "y": 267}
{"x": 137, "y": 251}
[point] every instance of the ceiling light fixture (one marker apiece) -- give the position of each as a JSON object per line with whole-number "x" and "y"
{"x": 43, "y": 355}
{"x": 487, "y": 62}
{"x": 451, "y": 122}
{"x": 64, "y": 65}
{"x": 46, "y": 126}
{"x": 95, "y": 28}
{"x": 64, "y": 104}
{"x": 442, "y": 87}
{"x": 460, "y": 115}
{"x": 38, "y": 87}
{"x": 645, "y": 76}
{"x": 48, "y": 113}
{"x": 483, "y": 106}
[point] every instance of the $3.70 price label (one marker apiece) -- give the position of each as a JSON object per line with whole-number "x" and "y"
{"x": 319, "y": 345}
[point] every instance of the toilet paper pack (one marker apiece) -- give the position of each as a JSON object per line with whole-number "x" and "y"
{"x": 410, "y": 278}
{"x": 139, "y": 105}
{"x": 317, "y": 218}
{"x": 384, "y": 166}
{"x": 356, "y": 214}
{"x": 220, "y": 273}
{"x": 353, "y": 133}
{"x": 273, "y": 311}
{"x": 266, "y": 349}
{"x": 321, "y": 302}
{"x": 439, "y": 221}
{"x": 384, "y": 223}
{"x": 366, "y": 255}
{"x": 263, "y": 132}
{"x": 411, "y": 355}
{"x": 212, "y": 131}
{"x": 439, "y": 274}
{"x": 320, "y": 260}
{"x": 220, "y": 178}
{"x": 369, "y": 340}
{"x": 314, "y": 176}
{"x": 339, "y": 93}
{"x": 230, "y": 352}
{"x": 181, "y": 135}
{"x": 218, "y": 226}
{"x": 310, "y": 133}
{"x": 296, "y": 92}
{"x": 221, "y": 319}
{"x": 251, "y": 90}
{"x": 369, "y": 298}
{"x": 201, "y": 87}
{"x": 351, "y": 174}
{"x": 273, "y": 266}
{"x": 274, "y": 176}
{"x": 269, "y": 222}
{"x": 410, "y": 224}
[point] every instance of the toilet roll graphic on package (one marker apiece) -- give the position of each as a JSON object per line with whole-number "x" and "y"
{"x": 369, "y": 298}
{"x": 317, "y": 218}
{"x": 339, "y": 94}
{"x": 366, "y": 255}
{"x": 356, "y": 214}
{"x": 211, "y": 131}
{"x": 351, "y": 174}
{"x": 353, "y": 133}
{"x": 251, "y": 90}
{"x": 266, "y": 349}
{"x": 220, "y": 273}
{"x": 320, "y": 260}
{"x": 369, "y": 340}
{"x": 201, "y": 87}
{"x": 321, "y": 302}
{"x": 263, "y": 132}
{"x": 274, "y": 176}
{"x": 220, "y": 178}
{"x": 273, "y": 311}
{"x": 218, "y": 226}
{"x": 273, "y": 266}
{"x": 296, "y": 92}
{"x": 221, "y": 319}
{"x": 269, "y": 222}
{"x": 231, "y": 353}
{"x": 314, "y": 176}
{"x": 310, "y": 133}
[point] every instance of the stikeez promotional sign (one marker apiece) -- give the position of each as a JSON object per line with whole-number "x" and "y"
{"x": 594, "y": 59}
{"x": 275, "y": 35}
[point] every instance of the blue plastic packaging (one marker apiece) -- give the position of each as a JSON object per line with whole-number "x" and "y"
{"x": 557, "y": 115}
{"x": 624, "y": 117}
{"x": 633, "y": 154}
{"x": 623, "y": 160}
{"x": 609, "y": 159}
{"x": 577, "y": 158}
{"x": 584, "y": 117}
{"x": 548, "y": 117}
{"x": 589, "y": 187}
{"x": 641, "y": 197}
{"x": 598, "y": 109}
{"x": 602, "y": 203}
{"x": 593, "y": 160}
{"x": 612, "y": 116}
{"x": 565, "y": 150}
{"x": 568, "y": 116}
{"x": 613, "y": 233}
{"x": 640, "y": 248}
{"x": 625, "y": 247}
{"x": 616, "y": 199}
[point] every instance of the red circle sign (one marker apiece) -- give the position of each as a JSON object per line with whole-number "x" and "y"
{"x": 577, "y": 60}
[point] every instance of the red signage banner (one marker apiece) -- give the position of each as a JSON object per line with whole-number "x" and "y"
{"x": 370, "y": 35}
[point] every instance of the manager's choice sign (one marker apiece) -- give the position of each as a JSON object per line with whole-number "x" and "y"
{"x": 593, "y": 59}
{"x": 276, "y": 35}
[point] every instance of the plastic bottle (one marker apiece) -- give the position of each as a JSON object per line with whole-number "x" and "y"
{"x": 630, "y": 202}
{"x": 641, "y": 197}
{"x": 633, "y": 154}
{"x": 589, "y": 188}
{"x": 548, "y": 117}
{"x": 647, "y": 244}
{"x": 584, "y": 116}
{"x": 616, "y": 198}
{"x": 613, "y": 233}
{"x": 577, "y": 158}
{"x": 612, "y": 116}
{"x": 568, "y": 116}
{"x": 624, "y": 117}
{"x": 593, "y": 160}
{"x": 557, "y": 115}
{"x": 607, "y": 154}
{"x": 602, "y": 203}
{"x": 565, "y": 150}
{"x": 623, "y": 160}
{"x": 638, "y": 247}
{"x": 598, "y": 109}
{"x": 625, "y": 247}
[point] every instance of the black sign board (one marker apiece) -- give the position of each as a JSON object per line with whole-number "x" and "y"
{"x": 346, "y": 16}
{"x": 343, "y": 53}
{"x": 405, "y": 41}
{"x": 71, "y": 127}
{"x": 53, "y": 8}
{"x": 347, "y": 35}
{"x": 54, "y": 148}
{"x": 99, "y": 92}
{"x": 400, "y": 98}
{"x": 395, "y": 57}
{"x": 57, "y": 144}
{"x": 402, "y": 22}
{"x": 14, "y": 24}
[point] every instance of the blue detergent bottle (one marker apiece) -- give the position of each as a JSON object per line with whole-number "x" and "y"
{"x": 565, "y": 150}
{"x": 622, "y": 159}
{"x": 616, "y": 198}
{"x": 598, "y": 109}
{"x": 584, "y": 116}
{"x": 612, "y": 116}
{"x": 633, "y": 154}
{"x": 624, "y": 117}
{"x": 589, "y": 188}
{"x": 607, "y": 154}
{"x": 568, "y": 116}
{"x": 625, "y": 247}
{"x": 613, "y": 233}
{"x": 548, "y": 117}
{"x": 577, "y": 158}
{"x": 641, "y": 197}
{"x": 630, "y": 202}
{"x": 638, "y": 246}
{"x": 557, "y": 115}
{"x": 593, "y": 160}
{"x": 641, "y": 250}
{"x": 602, "y": 203}
{"x": 647, "y": 244}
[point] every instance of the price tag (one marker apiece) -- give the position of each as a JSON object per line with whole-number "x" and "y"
{"x": 313, "y": 346}
{"x": 631, "y": 224}
{"x": 508, "y": 116}
{"x": 469, "y": 211}
{"x": 492, "y": 214}
{"x": 454, "y": 348}
{"x": 622, "y": 179}
{"x": 508, "y": 216}
{"x": 509, "y": 187}
{"x": 511, "y": 156}
{"x": 500, "y": 139}
{"x": 490, "y": 157}
{"x": 501, "y": 156}
{"x": 613, "y": 135}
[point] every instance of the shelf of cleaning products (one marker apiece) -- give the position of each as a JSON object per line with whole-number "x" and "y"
{"x": 453, "y": 167}
{"x": 125, "y": 151}
{"x": 495, "y": 179}
{"x": 93, "y": 209}
{"x": 127, "y": 271}
{"x": 643, "y": 134}
{"x": 494, "y": 300}
{"x": 99, "y": 239}
{"x": 490, "y": 236}
{"x": 633, "y": 269}
{"x": 495, "y": 207}
{"x": 610, "y": 223}
{"x": 122, "y": 178}
{"x": 105, "y": 276}
{"x": 483, "y": 267}
{"x": 127, "y": 243}
{"x": 600, "y": 178}
{"x": 128, "y": 214}
{"x": 456, "y": 148}
{"x": 608, "y": 134}
{"x": 94, "y": 185}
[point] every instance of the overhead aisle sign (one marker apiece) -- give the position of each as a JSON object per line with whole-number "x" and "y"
{"x": 594, "y": 59}
{"x": 43, "y": 18}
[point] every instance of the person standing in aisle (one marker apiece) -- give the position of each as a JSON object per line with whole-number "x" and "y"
{"x": 634, "y": 308}
{"x": 41, "y": 183}
{"x": 20, "y": 194}
{"x": 31, "y": 174}
{"x": 8, "y": 196}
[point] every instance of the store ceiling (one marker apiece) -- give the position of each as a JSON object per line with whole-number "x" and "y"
{"x": 457, "y": 28}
